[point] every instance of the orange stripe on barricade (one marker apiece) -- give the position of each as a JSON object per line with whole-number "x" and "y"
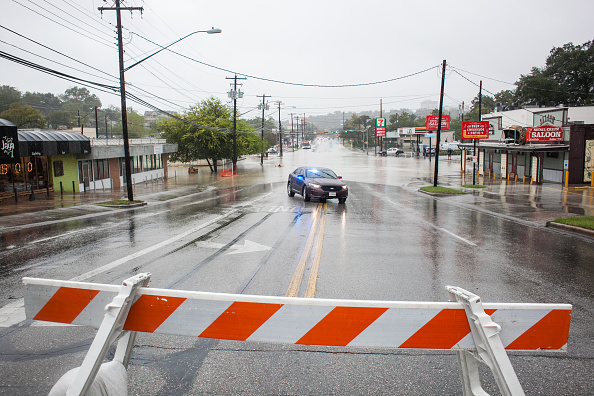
{"x": 149, "y": 312}
{"x": 341, "y": 326}
{"x": 443, "y": 331}
{"x": 240, "y": 320}
{"x": 66, "y": 304}
{"x": 545, "y": 334}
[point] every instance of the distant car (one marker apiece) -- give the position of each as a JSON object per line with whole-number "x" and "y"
{"x": 272, "y": 150}
{"x": 428, "y": 151}
{"x": 317, "y": 183}
{"x": 306, "y": 145}
{"x": 392, "y": 151}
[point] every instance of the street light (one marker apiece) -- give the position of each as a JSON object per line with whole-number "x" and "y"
{"x": 127, "y": 157}
{"x": 209, "y": 31}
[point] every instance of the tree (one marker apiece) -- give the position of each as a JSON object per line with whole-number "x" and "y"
{"x": 506, "y": 98}
{"x": 537, "y": 88}
{"x": 46, "y": 103}
{"x": 79, "y": 101}
{"x": 205, "y": 132}
{"x": 23, "y": 116}
{"x": 567, "y": 78}
{"x": 8, "y": 96}
{"x": 135, "y": 124}
{"x": 487, "y": 106}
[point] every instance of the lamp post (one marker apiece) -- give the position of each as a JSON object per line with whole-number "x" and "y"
{"x": 127, "y": 157}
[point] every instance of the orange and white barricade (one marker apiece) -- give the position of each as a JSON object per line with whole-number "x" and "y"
{"x": 478, "y": 332}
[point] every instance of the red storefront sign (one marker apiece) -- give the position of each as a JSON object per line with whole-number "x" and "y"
{"x": 431, "y": 122}
{"x": 380, "y": 127}
{"x": 544, "y": 133}
{"x": 475, "y": 129}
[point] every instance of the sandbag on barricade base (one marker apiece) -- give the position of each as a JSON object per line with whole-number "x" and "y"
{"x": 112, "y": 379}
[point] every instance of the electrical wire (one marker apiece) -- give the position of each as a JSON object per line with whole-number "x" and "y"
{"x": 61, "y": 24}
{"x": 293, "y": 83}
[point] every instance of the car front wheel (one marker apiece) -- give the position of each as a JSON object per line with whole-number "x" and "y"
{"x": 289, "y": 191}
{"x": 306, "y": 197}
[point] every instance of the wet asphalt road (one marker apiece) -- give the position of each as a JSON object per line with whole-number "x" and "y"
{"x": 245, "y": 235}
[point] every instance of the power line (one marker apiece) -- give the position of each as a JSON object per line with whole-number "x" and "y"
{"x": 61, "y": 24}
{"x": 293, "y": 83}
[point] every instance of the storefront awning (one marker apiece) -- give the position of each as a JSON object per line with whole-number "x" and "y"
{"x": 33, "y": 143}
{"x": 523, "y": 148}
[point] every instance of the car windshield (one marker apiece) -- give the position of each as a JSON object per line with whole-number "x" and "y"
{"x": 321, "y": 173}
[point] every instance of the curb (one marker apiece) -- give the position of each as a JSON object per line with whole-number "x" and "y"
{"x": 570, "y": 228}
{"x": 441, "y": 194}
{"x": 135, "y": 205}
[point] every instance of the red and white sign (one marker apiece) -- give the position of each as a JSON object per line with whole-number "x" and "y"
{"x": 545, "y": 133}
{"x": 380, "y": 127}
{"x": 431, "y": 122}
{"x": 475, "y": 129}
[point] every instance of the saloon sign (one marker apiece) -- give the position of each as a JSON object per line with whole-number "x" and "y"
{"x": 544, "y": 133}
{"x": 432, "y": 121}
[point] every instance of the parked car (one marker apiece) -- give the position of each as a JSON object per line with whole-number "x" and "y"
{"x": 392, "y": 151}
{"x": 317, "y": 183}
{"x": 272, "y": 150}
{"x": 428, "y": 151}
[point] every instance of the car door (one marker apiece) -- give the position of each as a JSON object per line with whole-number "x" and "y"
{"x": 299, "y": 179}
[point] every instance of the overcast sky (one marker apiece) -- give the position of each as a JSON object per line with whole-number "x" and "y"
{"x": 295, "y": 42}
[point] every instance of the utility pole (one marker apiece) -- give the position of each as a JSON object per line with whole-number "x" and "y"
{"x": 280, "y": 128}
{"x": 263, "y": 106}
{"x": 106, "y": 137}
{"x": 438, "y": 125}
{"x": 234, "y": 94}
{"x": 96, "y": 124}
{"x": 293, "y": 131}
{"x": 127, "y": 158}
{"x": 480, "y": 118}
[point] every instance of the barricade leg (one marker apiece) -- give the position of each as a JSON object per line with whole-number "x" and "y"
{"x": 469, "y": 374}
{"x": 108, "y": 332}
{"x": 489, "y": 348}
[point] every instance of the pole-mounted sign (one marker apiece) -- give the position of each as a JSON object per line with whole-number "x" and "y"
{"x": 475, "y": 129}
{"x": 431, "y": 122}
{"x": 380, "y": 127}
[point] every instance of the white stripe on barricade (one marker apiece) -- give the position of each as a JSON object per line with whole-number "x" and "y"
{"x": 328, "y": 322}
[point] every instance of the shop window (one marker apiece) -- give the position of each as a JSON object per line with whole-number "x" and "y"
{"x": 553, "y": 154}
{"x": 58, "y": 168}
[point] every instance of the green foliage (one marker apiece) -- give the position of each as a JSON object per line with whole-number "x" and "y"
{"x": 441, "y": 190}
{"x": 46, "y": 103}
{"x": 584, "y": 221}
{"x": 8, "y": 96}
{"x": 205, "y": 132}
{"x": 567, "y": 78}
{"x": 24, "y": 116}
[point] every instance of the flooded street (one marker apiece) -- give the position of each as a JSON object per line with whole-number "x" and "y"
{"x": 244, "y": 235}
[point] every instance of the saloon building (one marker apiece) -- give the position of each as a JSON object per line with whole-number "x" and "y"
{"x": 542, "y": 144}
{"x": 37, "y": 161}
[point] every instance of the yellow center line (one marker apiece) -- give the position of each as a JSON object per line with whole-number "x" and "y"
{"x": 295, "y": 284}
{"x": 315, "y": 267}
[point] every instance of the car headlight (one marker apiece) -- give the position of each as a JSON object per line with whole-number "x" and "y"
{"x": 314, "y": 185}
{"x": 345, "y": 187}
